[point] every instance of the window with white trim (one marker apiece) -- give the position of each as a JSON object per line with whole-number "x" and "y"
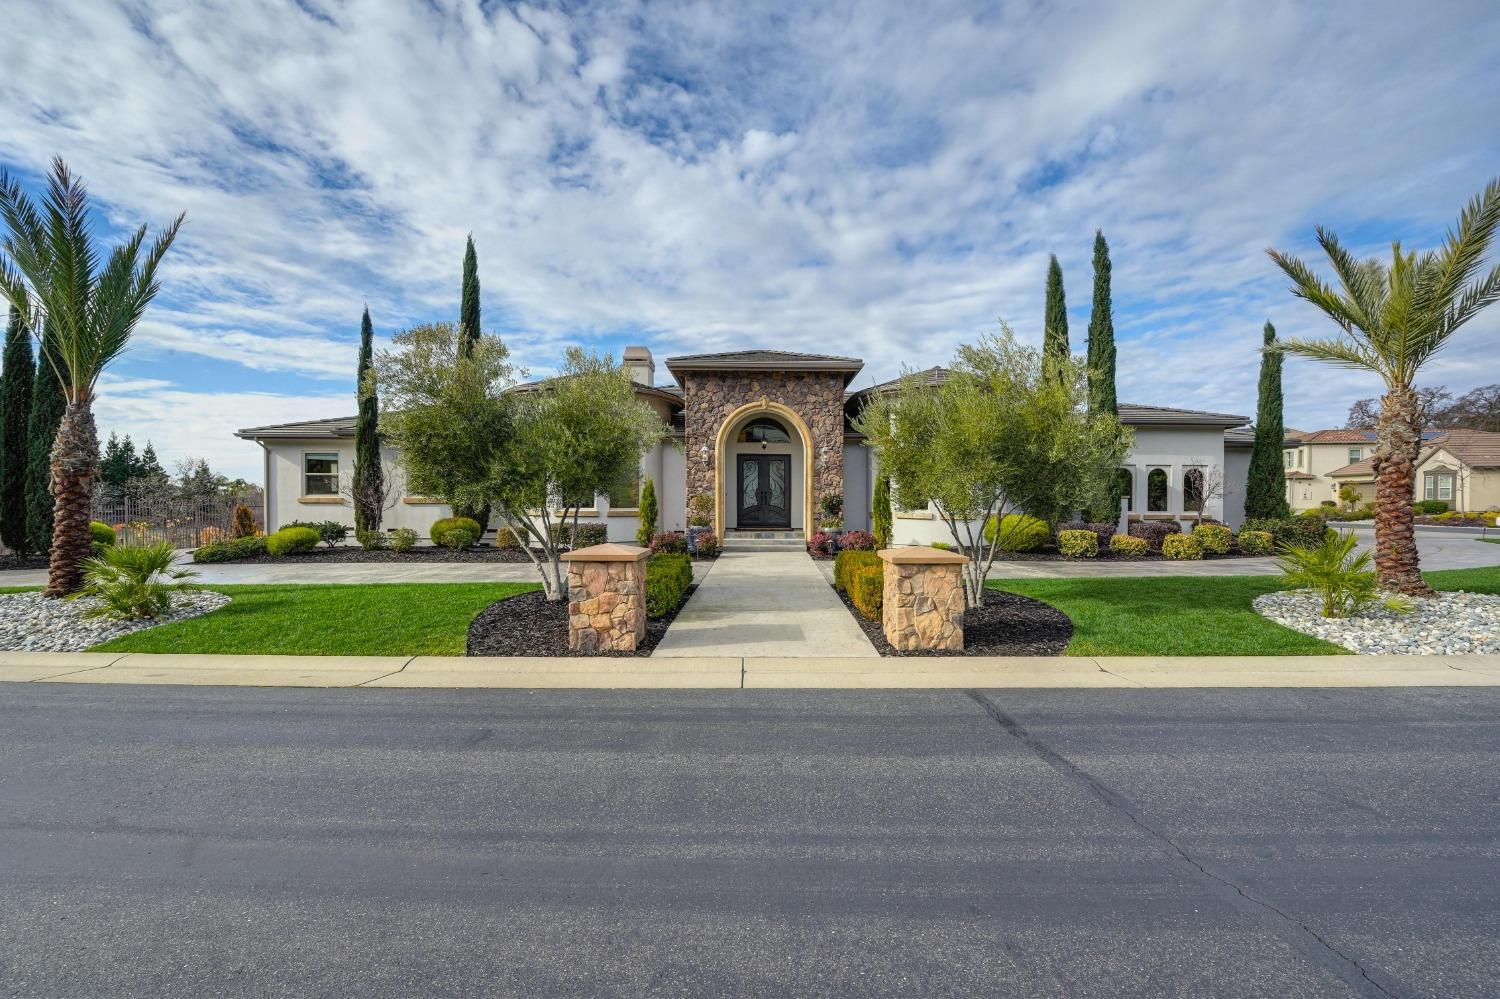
{"x": 1355, "y": 454}
{"x": 1436, "y": 485}
{"x": 320, "y": 473}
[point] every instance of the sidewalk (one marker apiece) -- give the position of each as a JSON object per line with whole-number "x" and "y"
{"x": 721, "y": 672}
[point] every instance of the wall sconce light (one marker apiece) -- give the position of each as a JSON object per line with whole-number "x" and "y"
{"x": 703, "y": 454}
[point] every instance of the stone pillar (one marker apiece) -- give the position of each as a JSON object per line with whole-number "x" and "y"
{"x": 606, "y": 598}
{"x": 923, "y": 598}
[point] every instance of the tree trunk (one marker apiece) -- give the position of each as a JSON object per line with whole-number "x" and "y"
{"x": 75, "y": 465}
{"x": 1397, "y": 442}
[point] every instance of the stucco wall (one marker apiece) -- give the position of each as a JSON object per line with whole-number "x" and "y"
{"x": 857, "y": 484}
{"x": 1236, "y": 479}
{"x": 1175, "y": 450}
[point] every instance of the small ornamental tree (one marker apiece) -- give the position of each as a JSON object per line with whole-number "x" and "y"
{"x": 648, "y": 512}
{"x": 1005, "y": 433}
{"x": 15, "y": 411}
{"x": 881, "y": 517}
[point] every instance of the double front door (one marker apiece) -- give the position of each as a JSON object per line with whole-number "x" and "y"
{"x": 764, "y": 493}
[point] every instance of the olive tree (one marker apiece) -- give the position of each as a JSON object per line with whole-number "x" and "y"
{"x": 535, "y": 453}
{"x": 995, "y": 437}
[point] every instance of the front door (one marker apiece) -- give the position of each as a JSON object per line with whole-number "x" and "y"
{"x": 764, "y": 494}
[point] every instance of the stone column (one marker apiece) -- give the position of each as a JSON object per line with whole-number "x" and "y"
{"x": 923, "y": 598}
{"x": 606, "y": 598}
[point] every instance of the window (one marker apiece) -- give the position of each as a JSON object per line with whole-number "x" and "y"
{"x": 1126, "y": 486}
{"x": 624, "y": 495}
{"x": 1355, "y": 454}
{"x": 1289, "y": 455}
{"x": 320, "y": 474}
{"x": 1192, "y": 490}
{"x": 1437, "y": 486}
{"x": 1156, "y": 491}
{"x": 763, "y": 430}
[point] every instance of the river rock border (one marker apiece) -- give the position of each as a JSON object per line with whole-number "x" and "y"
{"x": 1452, "y": 624}
{"x": 30, "y": 622}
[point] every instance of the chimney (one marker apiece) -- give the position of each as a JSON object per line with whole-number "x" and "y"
{"x": 642, "y": 367}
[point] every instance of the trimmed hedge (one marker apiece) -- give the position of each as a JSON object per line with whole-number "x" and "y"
{"x": 456, "y": 533}
{"x": 1154, "y": 532}
{"x": 668, "y": 577}
{"x": 1257, "y": 542}
{"x": 1100, "y": 530}
{"x": 292, "y": 541}
{"x": 1078, "y": 543}
{"x": 231, "y": 550}
{"x": 101, "y": 534}
{"x": 1214, "y": 538}
{"x": 1018, "y": 532}
{"x": 847, "y": 562}
{"x": 867, "y": 591}
{"x": 589, "y": 535}
{"x": 1304, "y": 532}
{"x": 1183, "y": 547}
{"x": 1125, "y": 544}
{"x": 506, "y": 537}
{"x": 1429, "y": 508}
{"x": 330, "y": 532}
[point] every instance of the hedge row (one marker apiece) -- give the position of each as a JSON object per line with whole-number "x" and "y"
{"x": 668, "y": 577}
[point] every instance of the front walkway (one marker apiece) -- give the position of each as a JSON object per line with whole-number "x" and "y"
{"x": 760, "y": 604}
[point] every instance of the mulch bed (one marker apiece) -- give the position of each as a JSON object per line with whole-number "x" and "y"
{"x": 23, "y": 562}
{"x": 354, "y": 553}
{"x": 1051, "y": 554}
{"x": 527, "y": 625}
{"x": 1007, "y": 625}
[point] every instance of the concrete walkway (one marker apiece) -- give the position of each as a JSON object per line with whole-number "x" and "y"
{"x": 764, "y": 604}
{"x": 727, "y": 672}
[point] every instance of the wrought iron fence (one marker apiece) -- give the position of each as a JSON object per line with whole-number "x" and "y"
{"x": 185, "y": 521}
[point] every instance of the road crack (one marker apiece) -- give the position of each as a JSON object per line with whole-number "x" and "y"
{"x": 1296, "y": 933}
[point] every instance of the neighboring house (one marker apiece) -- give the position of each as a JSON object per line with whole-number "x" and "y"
{"x": 1311, "y": 457}
{"x": 767, "y": 434}
{"x": 1459, "y": 467}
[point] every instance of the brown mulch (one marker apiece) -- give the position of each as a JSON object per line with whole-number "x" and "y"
{"x": 1007, "y": 625}
{"x": 13, "y": 561}
{"x": 348, "y": 553}
{"x": 1050, "y": 553}
{"x": 527, "y": 625}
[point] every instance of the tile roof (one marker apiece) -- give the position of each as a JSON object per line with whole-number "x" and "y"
{"x": 1343, "y": 436}
{"x": 1299, "y": 475}
{"x": 1136, "y": 414}
{"x": 1240, "y": 437}
{"x": 1358, "y": 470}
{"x": 763, "y": 356}
{"x": 1475, "y": 448}
{"x": 341, "y": 426}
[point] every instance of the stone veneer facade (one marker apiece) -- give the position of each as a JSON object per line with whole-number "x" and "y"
{"x": 818, "y": 397}
{"x": 606, "y": 603}
{"x": 923, "y": 605}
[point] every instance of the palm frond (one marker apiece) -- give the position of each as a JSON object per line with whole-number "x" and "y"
{"x": 1475, "y": 297}
{"x": 1308, "y": 286}
{"x": 1363, "y": 284}
{"x": 1463, "y": 250}
{"x": 1345, "y": 353}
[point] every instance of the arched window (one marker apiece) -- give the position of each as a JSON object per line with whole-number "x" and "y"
{"x": 1126, "y": 486}
{"x": 1156, "y": 491}
{"x": 763, "y": 430}
{"x": 1192, "y": 490}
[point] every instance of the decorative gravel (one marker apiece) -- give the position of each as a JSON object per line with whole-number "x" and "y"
{"x": 1451, "y": 624}
{"x": 31, "y": 623}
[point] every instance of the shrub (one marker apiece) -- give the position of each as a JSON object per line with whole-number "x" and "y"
{"x": 102, "y": 535}
{"x": 207, "y": 536}
{"x": 1125, "y": 544}
{"x": 822, "y": 543}
{"x": 1288, "y": 531}
{"x": 1429, "y": 508}
{"x": 647, "y": 511}
{"x": 1154, "y": 532}
{"x": 707, "y": 546}
{"x": 1101, "y": 531}
{"x": 506, "y": 537}
{"x": 1018, "y": 532}
{"x": 456, "y": 533}
{"x": 867, "y": 591}
{"x": 231, "y": 550}
{"x": 242, "y": 524}
{"x": 1214, "y": 538}
{"x": 292, "y": 541}
{"x": 1078, "y": 544}
{"x": 132, "y": 583}
{"x": 1332, "y": 569}
{"x": 330, "y": 532}
{"x": 370, "y": 541}
{"x": 846, "y": 562}
{"x": 701, "y": 510}
{"x": 941, "y": 545}
{"x": 1183, "y": 547}
{"x": 586, "y": 535}
{"x": 403, "y": 539}
{"x": 1256, "y": 542}
{"x": 669, "y": 543}
{"x": 857, "y": 541}
{"x": 1327, "y": 503}
{"x": 668, "y": 577}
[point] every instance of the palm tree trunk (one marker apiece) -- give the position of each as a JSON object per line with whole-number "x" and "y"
{"x": 1398, "y": 440}
{"x": 75, "y": 461}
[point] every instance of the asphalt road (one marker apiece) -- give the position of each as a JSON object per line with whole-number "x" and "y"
{"x": 237, "y": 842}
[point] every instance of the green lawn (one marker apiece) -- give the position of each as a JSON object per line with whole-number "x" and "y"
{"x": 1191, "y": 616}
{"x": 377, "y": 619}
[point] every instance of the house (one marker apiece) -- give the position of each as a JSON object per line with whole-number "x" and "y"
{"x": 1311, "y": 458}
{"x": 1458, "y": 467}
{"x": 766, "y": 434}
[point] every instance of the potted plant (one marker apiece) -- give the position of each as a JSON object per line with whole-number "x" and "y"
{"x": 700, "y": 518}
{"x": 832, "y": 520}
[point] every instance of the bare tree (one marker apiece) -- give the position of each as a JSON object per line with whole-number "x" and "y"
{"x": 378, "y": 490}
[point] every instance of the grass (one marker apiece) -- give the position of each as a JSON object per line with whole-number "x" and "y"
{"x": 378, "y": 619}
{"x": 1192, "y": 616}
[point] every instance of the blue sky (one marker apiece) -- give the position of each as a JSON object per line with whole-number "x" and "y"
{"x": 883, "y": 180}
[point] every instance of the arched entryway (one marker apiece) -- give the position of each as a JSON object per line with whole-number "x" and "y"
{"x": 763, "y": 474}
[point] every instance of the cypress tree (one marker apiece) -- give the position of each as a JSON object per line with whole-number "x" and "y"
{"x": 880, "y": 512}
{"x": 1265, "y": 491}
{"x": 1101, "y": 348}
{"x": 15, "y": 411}
{"x": 1055, "y": 335}
{"x": 468, "y": 310}
{"x": 368, "y": 507}
{"x": 648, "y": 512}
{"x": 47, "y": 405}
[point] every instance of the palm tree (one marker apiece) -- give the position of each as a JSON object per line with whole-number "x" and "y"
{"x": 49, "y": 270}
{"x": 1394, "y": 319}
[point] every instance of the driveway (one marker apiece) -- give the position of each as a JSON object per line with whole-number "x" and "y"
{"x": 196, "y": 841}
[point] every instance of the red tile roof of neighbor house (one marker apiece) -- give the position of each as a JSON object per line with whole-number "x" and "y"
{"x": 1332, "y": 436}
{"x": 1358, "y": 470}
{"x": 1475, "y": 448}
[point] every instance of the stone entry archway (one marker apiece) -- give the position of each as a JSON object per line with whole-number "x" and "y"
{"x": 725, "y": 475}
